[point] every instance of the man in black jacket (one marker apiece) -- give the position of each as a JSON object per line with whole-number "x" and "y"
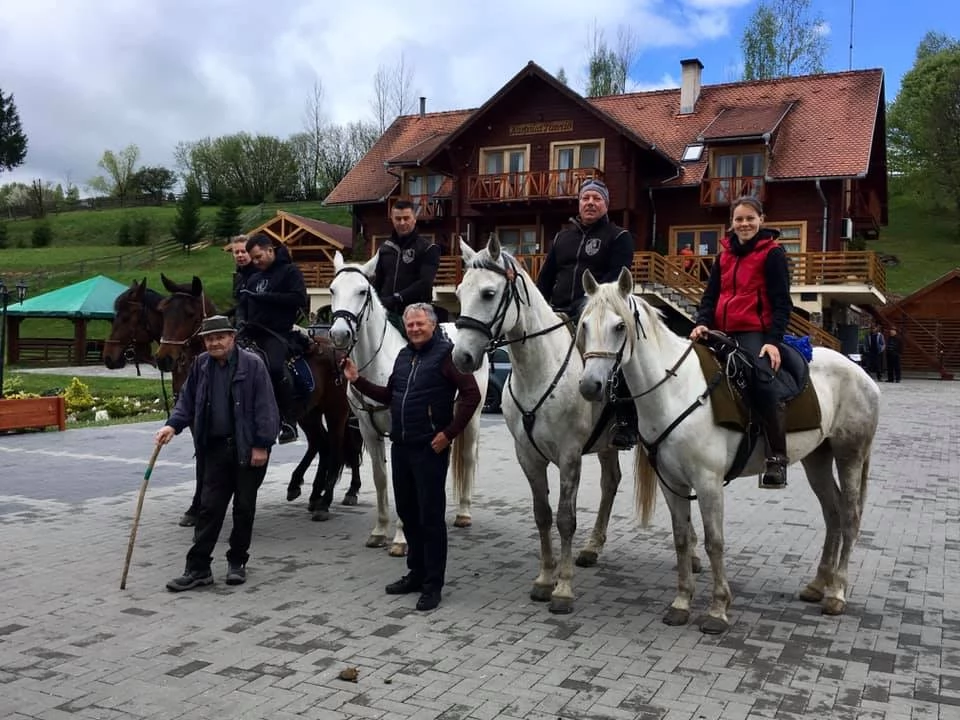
{"x": 271, "y": 302}
{"x": 431, "y": 402}
{"x": 406, "y": 264}
{"x": 593, "y": 242}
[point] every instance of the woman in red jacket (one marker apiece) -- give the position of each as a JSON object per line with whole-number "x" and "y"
{"x": 748, "y": 298}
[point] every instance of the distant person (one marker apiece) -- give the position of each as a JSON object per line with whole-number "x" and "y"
{"x": 228, "y": 402}
{"x": 243, "y": 268}
{"x": 894, "y": 353}
{"x": 875, "y": 347}
{"x": 687, "y": 251}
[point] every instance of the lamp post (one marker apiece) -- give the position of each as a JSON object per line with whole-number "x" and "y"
{"x": 5, "y": 293}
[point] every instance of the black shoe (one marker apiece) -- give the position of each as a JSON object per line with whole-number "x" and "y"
{"x": 775, "y": 475}
{"x": 236, "y": 574}
{"x": 191, "y": 579}
{"x": 406, "y": 584}
{"x": 288, "y": 433}
{"x": 188, "y": 519}
{"x": 624, "y": 436}
{"x": 428, "y": 601}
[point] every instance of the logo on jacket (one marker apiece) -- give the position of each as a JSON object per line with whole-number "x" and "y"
{"x": 592, "y": 246}
{"x": 408, "y": 255}
{"x": 262, "y": 286}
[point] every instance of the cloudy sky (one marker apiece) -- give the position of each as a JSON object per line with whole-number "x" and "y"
{"x": 101, "y": 74}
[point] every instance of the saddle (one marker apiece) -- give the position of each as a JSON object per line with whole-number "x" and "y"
{"x": 731, "y": 409}
{"x": 299, "y": 347}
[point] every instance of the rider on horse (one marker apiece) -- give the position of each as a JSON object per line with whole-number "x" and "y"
{"x": 270, "y": 303}
{"x": 592, "y": 242}
{"x": 406, "y": 265}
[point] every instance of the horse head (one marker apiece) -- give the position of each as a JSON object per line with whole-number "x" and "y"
{"x": 183, "y": 312}
{"x": 130, "y": 328}
{"x": 352, "y": 299}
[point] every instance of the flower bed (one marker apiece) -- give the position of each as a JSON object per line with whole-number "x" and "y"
{"x": 29, "y": 413}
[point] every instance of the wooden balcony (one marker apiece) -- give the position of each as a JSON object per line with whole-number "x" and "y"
{"x": 722, "y": 191}
{"x": 538, "y": 185}
{"x": 426, "y": 207}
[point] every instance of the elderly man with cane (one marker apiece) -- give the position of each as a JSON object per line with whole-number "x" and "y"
{"x": 228, "y": 398}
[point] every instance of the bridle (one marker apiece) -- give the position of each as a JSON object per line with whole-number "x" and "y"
{"x": 353, "y": 320}
{"x": 130, "y": 350}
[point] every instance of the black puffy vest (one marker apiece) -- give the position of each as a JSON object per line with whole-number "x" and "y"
{"x": 422, "y": 403}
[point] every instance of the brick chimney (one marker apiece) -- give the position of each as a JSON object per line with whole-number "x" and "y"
{"x": 689, "y": 84}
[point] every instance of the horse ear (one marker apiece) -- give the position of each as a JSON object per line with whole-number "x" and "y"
{"x": 337, "y": 261}
{"x": 369, "y": 268}
{"x": 466, "y": 251}
{"x": 169, "y": 284}
{"x": 493, "y": 246}
{"x": 625, "y": 282}
{"x": 196, "y": 287}
{"x": 589, "y": 283}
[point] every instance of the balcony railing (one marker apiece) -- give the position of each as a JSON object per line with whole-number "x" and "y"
{"x": 720, "y": 191}
{"x": 425, "y": 207}
{"x": 536, "y": 185}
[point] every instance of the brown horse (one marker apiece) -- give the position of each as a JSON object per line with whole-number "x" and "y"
{"x": 325, "y": 414}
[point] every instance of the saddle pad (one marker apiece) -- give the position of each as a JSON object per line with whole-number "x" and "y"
{"x": 302, "y": 374}
{"x": 729, "y": 410}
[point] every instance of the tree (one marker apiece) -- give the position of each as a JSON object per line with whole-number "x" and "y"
{"x": 121, "y": 169}
{"x": 13, "y": 142}
{"x": 562, "y": 76}
{"x": 392, "y": 92}
{"x": 228, "y": 218}
{"x": 608, "y": 68}
{"x": 924, "y": 125}
{"x": 187, "y": 229}
{"x": 783, "y": 38}
{"x": 153, "y": 181}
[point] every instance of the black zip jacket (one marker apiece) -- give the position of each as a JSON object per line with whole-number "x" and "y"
{"x": 407, "y": 267}
{"x": 274, "y": 298}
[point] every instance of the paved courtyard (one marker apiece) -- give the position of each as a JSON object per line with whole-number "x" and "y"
{"x": 73, "y": 645}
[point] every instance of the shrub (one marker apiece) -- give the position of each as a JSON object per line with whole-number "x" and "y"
{"x": 141, "y": 232}
{"x": 4, "y": 238}
{"x": 123, "y": 234}
{"x": 78, "y": 397}
{"x": 42, "y": 236}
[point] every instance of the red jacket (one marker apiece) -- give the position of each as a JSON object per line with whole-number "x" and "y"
{"x": 743, "y": 304}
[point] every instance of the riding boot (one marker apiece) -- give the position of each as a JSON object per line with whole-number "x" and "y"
{"x": 287, "y": 404}
{"x": 773, "y": 417}
{"x": 625, "y": 434}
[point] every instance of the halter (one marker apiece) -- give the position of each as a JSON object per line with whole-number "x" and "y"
{"x": 353, "y": 320}
{"x": 130, "y": 348}
{"x": 191, "y": 337}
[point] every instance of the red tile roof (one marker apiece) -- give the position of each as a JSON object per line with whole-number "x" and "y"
{"x": 339, "y": 233}
{"x": 368, "y": 180}
{"x": 821, "y": 125}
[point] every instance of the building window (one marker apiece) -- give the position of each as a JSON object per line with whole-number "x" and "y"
{"x": 703, "y": 240}
{"x": 692, "y": 153}
{"x": 418, "y": 185}
{"x": 736, "y": 174}
{"x": 793, "y": 239}
{"x": 572, "y": 163}
{"x": 519, "y": 240}
{"x": 506, "y": 170}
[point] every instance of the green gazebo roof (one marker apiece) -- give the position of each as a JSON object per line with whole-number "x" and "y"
{"x": 90, "y": 299}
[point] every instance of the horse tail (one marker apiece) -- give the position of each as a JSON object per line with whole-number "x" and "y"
{"x": 644, "y": 487}
{"x": 864, "y": 474}
{"x": 458, "y": 463}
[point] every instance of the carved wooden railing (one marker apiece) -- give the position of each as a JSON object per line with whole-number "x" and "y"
{"x": 719, "y": 191}
{"x": 536, "y": 185}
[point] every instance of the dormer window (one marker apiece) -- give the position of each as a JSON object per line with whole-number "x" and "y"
{"x": 692, "y": 153}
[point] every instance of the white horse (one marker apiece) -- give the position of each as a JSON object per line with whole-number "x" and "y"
{"x": 618, "y": 329}
{"x": 543, "y": 410}
{"x": 360, "y": 327}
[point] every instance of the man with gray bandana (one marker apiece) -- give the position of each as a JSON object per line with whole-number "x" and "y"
{"x": 592, "y": 242}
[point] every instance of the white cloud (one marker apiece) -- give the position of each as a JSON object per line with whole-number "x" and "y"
{"x": 106, "y": 74}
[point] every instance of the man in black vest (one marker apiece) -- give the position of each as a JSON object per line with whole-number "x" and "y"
{"x": 406, "y": 264}
{"x": 592, "y": 242}
{"x": 424, "y": 420}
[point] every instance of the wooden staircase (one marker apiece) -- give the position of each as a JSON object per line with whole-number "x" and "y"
{"x": 927, "y": 344}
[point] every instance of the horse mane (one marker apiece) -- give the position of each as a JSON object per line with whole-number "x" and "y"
{"x": 483, "y": 261}
{"x": 608, "y": 297}
{"x": 151, "y": 298}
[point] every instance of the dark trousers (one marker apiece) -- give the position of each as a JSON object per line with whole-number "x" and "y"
{"x": 225, "y": 478}
{"x": 419, "y": 480}
{"x": 766, "y": 388}
{"x": 893, "y": 367}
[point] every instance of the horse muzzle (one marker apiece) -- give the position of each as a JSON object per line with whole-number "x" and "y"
{"x": 591, "y": 388}
{"x": 465, "y": 361}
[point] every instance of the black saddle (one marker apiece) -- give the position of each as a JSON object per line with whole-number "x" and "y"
{"x": 743, "y": 371}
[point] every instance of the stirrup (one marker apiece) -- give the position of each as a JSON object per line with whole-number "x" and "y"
{"x": 774, "y": 475}
{"x": 288, "y": 433}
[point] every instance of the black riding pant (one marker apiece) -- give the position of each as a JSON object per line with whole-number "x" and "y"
{"x": 275, "y": 350}
{"x": 766, "y": 388}
{"x": 224, "y": 478}
{"x": 419, "y": 480}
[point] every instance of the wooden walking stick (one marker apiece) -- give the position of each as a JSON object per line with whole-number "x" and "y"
{"x": 136, "y": 516}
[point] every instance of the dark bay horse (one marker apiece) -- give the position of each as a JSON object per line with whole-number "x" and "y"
{"x": 324, "y": 418}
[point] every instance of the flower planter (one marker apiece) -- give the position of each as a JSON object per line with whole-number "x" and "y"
{"x": 27, "y": 413}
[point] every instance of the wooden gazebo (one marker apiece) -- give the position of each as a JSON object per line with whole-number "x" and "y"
{"x": 307, "y": 239}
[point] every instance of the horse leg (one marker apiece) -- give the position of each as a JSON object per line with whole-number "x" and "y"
{"x": 189, "y": 518}
{"x": 679, "y": 611}
{"x": 711, "y": 510}
{"x": 328, "y": 471}
{"x": 609, "y": 482}
{"x": 354, "y": 451}
{"x": 296, "y": 479}
{"x": 818, "y": 466}
{"x": 378, "y": 464}
{"x": 466, "y": 456}
{"x": 536, "y": 473}
{"x": 853, "y": 476}
{"x": 561, "y": 602}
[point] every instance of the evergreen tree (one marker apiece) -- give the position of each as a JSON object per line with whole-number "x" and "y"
{"x": 13, "y": 143}
{"x": 228, "y": 217}
{"x": 187, "y": 229}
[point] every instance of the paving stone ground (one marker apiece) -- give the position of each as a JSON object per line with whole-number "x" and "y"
{"x": 73, "y": 645}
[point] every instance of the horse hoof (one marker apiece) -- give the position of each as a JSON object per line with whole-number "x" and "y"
{"x": 676, "y": 616}
{"x": 811, "y": 594}
{"x": 293, "y": 492}
{"x": 833, "y": 606}
{"x": 561, "y": 606}
{"x": 398, "y": 550}
{"x": 187, "y": 520}
{"x": 463, "y": 521}
{"x": 696, "y": 565}
{"x": 349, "y": 500}
{"x": 377, "y": 541}
{"x": 587, "y": 558}
{"x": 541, "y": 593}
{"x": 711, "y": 625}
{"x": 320, "y": 515}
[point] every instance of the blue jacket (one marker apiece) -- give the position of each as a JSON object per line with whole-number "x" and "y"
{"x": 255, "y": 414}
